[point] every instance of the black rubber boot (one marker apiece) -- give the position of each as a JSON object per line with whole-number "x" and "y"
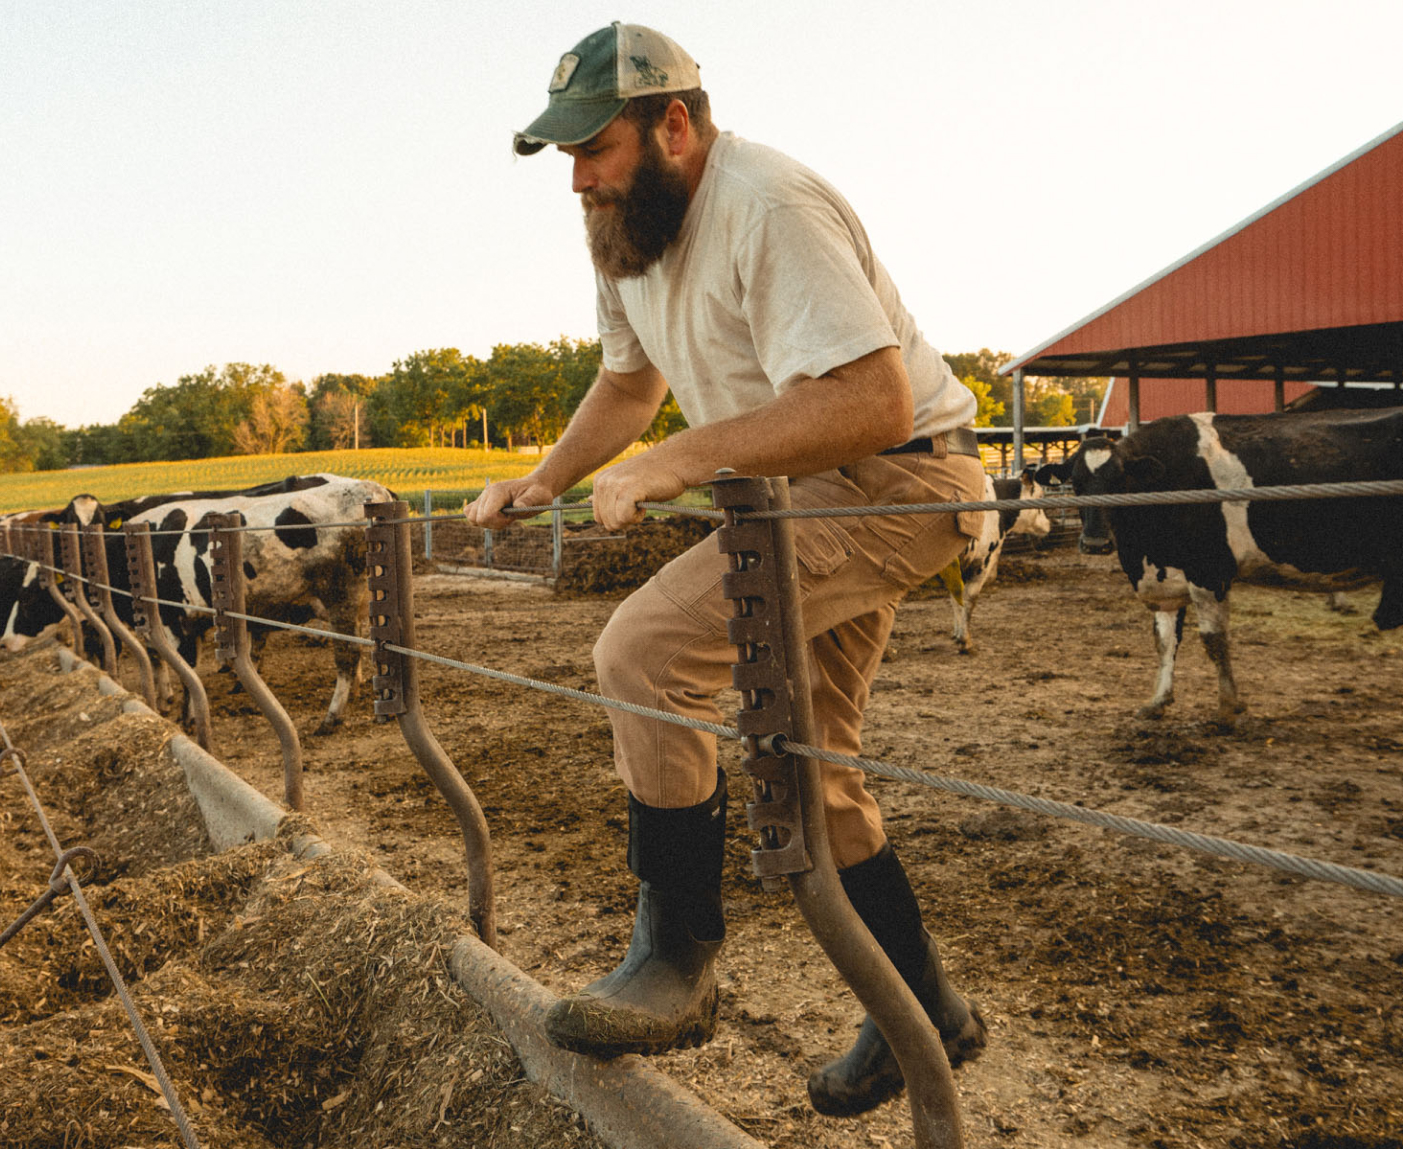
{"x": 663, "y": 995}
{"x": 868, "y": 1074}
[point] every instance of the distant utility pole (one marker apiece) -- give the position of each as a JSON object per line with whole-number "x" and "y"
{"x": 356, "y": 407}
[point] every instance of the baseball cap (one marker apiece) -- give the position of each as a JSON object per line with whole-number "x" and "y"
{"x": 598, "y": 76}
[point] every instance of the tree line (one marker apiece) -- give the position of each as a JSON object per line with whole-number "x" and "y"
{"x": 522, "y": 395}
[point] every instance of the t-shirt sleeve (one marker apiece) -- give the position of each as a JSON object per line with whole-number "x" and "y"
{"x": 622, "y": 350}
{"x": 808, "y": 299}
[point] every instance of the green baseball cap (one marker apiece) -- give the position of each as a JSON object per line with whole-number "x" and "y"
{"x": 598, "y": 76}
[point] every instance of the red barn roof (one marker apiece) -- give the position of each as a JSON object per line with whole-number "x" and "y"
{"x": 1310, "y": 287}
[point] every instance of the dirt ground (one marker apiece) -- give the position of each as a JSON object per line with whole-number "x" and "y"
{"x": 1137, "y": 994}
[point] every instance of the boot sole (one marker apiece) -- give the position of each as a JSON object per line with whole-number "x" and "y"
{"x": 606, "y": 1034}
{"x": 964, "y": 1047}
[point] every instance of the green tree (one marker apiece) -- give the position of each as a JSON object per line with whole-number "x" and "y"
{"x": 196, "y": 417}
{"x": 44, "y": 442}
{"x": 1051, "y": 409}
{"x": 13, "y": 453}
{"x": 425, "y": 397}
{"x": 984, "y": 365}
{"x": 337, "y": 415}
{"x": 276, "y": 423}
{"x": 989, "y": 411}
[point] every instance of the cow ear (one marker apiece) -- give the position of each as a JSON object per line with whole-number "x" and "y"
{"x": 1050, "y": 474}
{"x": 1143, "y": 470}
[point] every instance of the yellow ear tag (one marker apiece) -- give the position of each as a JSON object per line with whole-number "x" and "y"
{"x": 115, "y": 525}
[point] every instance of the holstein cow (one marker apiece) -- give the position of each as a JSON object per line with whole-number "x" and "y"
{"x": 1180, "y": 554}
{"x": 295, "y": 569}
{"x": 968, "y": 575}
{"x": 27, "y": 608}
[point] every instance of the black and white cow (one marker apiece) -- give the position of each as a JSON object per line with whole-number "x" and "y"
{"x": 27, "y": 608}
{"x": 295, "y": 569}
{"x": 1180, "y": 554}
{"x": 968, "y": 575}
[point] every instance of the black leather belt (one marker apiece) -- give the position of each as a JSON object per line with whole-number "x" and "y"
{"x": 960, "y": 441}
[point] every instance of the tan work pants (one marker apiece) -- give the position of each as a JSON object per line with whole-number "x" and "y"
{"x": 666, "y": 646}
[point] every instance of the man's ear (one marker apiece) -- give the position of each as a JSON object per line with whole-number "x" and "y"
{"x": 677, "y": 128}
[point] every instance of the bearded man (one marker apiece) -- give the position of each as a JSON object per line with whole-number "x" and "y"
{"x": 745, "y": 283}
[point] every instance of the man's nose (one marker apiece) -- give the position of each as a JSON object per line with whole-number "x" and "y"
{"x": 582, "y": 175}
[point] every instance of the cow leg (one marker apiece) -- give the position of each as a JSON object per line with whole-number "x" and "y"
{"x": 348, "y": 673}
{"x": 953, "y": 579}
{"x": 1169, "y": 631}
{"x": 1213, "y": 629}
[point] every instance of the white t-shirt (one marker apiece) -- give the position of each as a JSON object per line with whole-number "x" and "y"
{"x": 770, "y": 280}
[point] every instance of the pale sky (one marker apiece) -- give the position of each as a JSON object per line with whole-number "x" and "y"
{"x": 329, "y": 187}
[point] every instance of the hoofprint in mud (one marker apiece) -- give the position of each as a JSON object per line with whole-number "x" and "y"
{"x": 1137, "y": 994}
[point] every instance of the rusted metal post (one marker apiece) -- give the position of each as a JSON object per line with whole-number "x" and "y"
{"x": 77, "y": 594}
{"x": 227, "y": 593}
{"x": 43, "y": 542}
{"x": 395, "y": 685}
{"x": 95, "y": 553}
{"x": 146, "y": 610}
{"x": 772, "y": 676}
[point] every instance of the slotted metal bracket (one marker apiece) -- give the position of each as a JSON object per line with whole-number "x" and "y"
{"x": 386, "y": 606}
{"x": 761, "y": 674}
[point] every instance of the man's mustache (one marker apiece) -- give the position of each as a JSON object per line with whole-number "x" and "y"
{"x": 592, "y": 198}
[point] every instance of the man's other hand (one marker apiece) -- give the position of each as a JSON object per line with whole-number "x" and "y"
{"x": 642, "y": 479}
{"x": 486, "y": 509}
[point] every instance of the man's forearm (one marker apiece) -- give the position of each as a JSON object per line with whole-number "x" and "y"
{"x": 819, "y": 424}
{"x": 608, "y": 420}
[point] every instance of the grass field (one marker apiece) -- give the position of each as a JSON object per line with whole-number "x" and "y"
{"x": 407, "y": 472}
{"x": 449, "y": 472}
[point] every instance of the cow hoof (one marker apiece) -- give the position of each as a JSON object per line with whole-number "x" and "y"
{"x": 1151, "y": 710}
{"x": 327, "y": 726}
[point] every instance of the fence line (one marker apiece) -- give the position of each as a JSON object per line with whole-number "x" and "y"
{"x": 1361, "y": 879}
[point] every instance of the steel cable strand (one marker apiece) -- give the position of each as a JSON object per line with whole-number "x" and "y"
{"x": 1223, "y": 847}
{"x": 1283, "y": 493}
{"x": 569, "y": 692}
{"x": 148, "y": 1047}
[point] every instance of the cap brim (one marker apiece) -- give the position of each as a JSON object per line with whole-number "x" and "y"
{"x": 567, "y": 122}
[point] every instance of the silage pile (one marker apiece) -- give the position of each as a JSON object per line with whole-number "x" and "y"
{"x": 294, "y": 1002}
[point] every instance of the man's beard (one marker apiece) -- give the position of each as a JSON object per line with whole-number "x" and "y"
{"x": 626, "y": 240}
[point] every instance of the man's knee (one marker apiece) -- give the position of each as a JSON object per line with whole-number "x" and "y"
{"x": 619, "y": 650}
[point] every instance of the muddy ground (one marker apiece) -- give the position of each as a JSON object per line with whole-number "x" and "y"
{"x": 1137, "y": 994}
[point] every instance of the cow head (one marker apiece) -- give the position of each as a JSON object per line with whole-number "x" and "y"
{"x": 1093, "y": 470}
{"x": 1033, "y": 521}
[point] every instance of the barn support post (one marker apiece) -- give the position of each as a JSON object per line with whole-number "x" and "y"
{"x": 95, "y": 552}
{"x": 48, "y": 571}
{"x": 1132, "y": 394}
{"x": 73, "y": 585}
{"x": 1210, "y": 388}
{"x": 1279, "y": 389}
{"x": 141, "y": 570}
{"x": 771, "y": 673}
{"x": 227, "y": 595}
{"x": 1020, "y": 410}
{"x": 395, "y": 686}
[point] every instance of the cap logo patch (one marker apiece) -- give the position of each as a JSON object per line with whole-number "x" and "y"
{"x": 645, "y": 75}
{"x": 560, "y": 78}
